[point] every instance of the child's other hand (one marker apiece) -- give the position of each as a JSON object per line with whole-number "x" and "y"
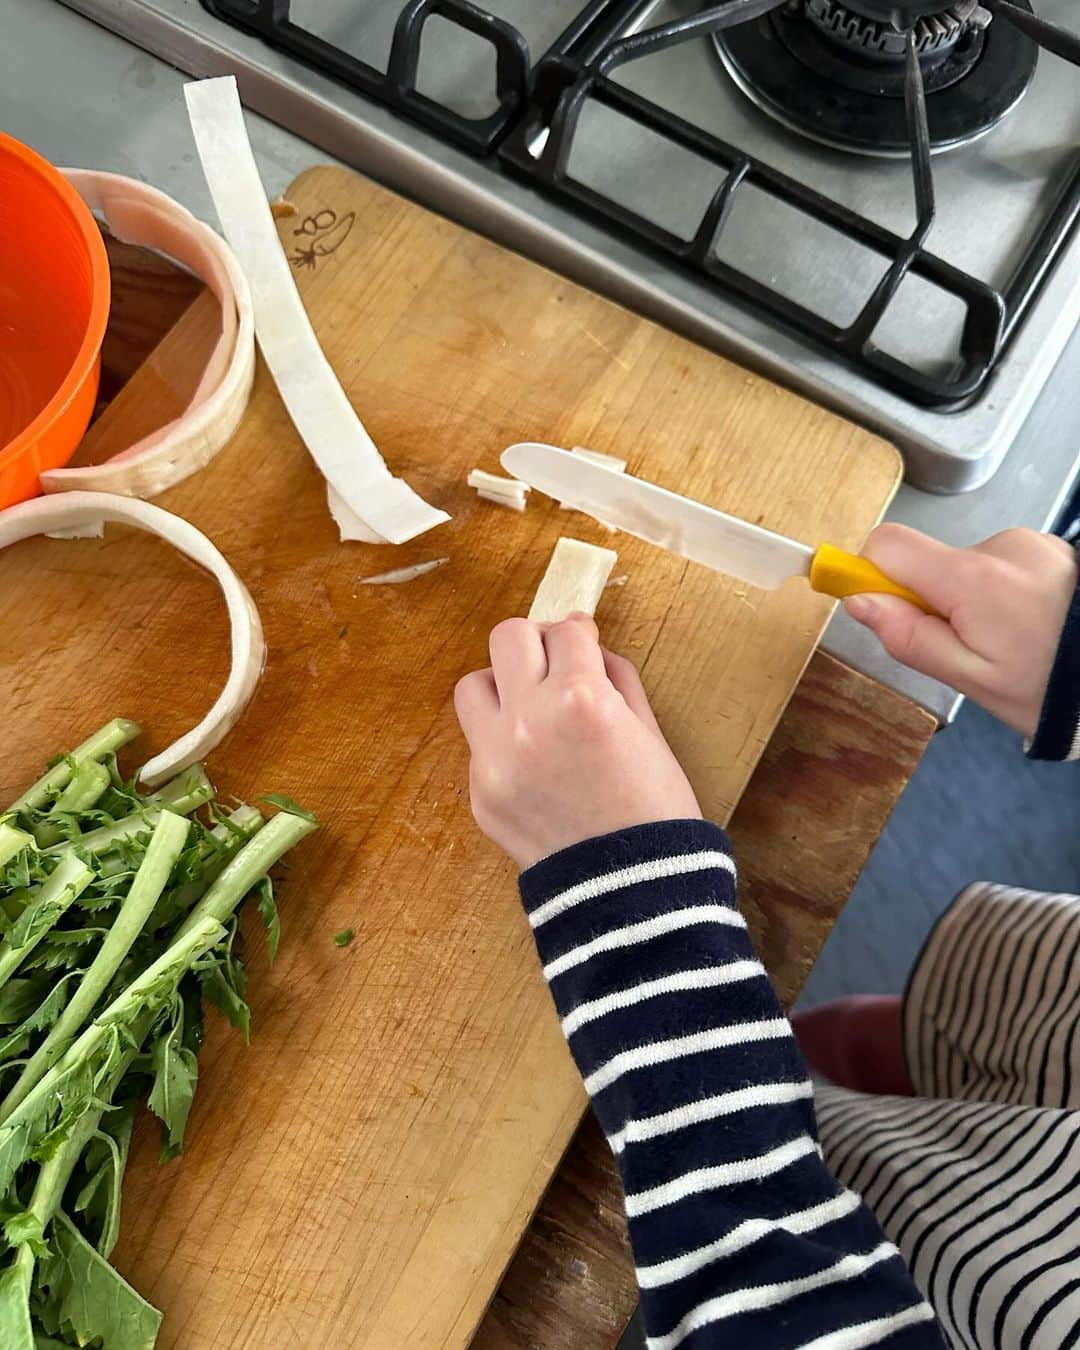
{"x": 1005, "y": 602}
{"x": 564, "y": 744}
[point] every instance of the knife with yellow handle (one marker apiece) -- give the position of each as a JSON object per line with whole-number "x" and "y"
{"x": 694, "y": 530}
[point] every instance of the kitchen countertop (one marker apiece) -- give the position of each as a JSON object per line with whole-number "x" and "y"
{"x": 82, "y": 96}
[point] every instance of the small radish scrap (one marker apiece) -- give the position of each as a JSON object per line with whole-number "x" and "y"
{"x": 402, "y": 574}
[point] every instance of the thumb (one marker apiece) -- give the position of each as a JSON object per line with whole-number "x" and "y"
{"x": 926, "y": 565}
{"x": 922, "y": 641}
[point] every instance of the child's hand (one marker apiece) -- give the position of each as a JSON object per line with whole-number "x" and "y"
{"x": 564, "y": 743}
{"x": 1005, "y": 603}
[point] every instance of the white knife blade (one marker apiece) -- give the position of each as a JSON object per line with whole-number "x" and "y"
{"x": 679, "y": 524}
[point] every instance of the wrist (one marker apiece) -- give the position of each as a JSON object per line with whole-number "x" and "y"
{"x": 592, "y": 881}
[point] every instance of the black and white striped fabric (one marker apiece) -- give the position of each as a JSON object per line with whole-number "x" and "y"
{"x": 741, "y": 1236}
{"x": 977, "y": 1180}
{"x": 1058, "y": 734}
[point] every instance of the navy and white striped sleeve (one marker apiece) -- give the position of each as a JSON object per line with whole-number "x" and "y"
{"x": 1058, "y": 734}
{"x": 741, "y": 1237}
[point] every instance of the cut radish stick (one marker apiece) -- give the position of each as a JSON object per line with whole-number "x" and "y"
{"x": 574, "y": 581}
{"x": 367, "y": 494}
{"x": 139, "y": 214}
{"x": 510, "y": 492}
{"x": 43, "y": 515}
{"x": 611, "y": 462}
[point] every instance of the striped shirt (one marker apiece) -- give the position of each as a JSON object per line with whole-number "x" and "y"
{"x": 741, "y": 1235}
{"x": 975, "y": 1178}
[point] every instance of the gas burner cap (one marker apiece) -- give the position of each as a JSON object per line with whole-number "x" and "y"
{"x": 829, "y": 73}
{"x": 934, "y": 33}
{"x": 903, "y": 13}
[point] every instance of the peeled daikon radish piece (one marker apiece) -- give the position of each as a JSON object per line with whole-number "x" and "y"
{"x": 574, "y": 581}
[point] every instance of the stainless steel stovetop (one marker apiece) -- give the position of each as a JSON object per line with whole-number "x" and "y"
{"x": 988, "y": 194}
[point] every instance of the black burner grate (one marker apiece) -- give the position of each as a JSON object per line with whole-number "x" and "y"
{"x": 532, "y": 132}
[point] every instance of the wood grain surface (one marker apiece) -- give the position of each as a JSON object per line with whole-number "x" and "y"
{"x": 814, "y": 809}
{"x": 360, "y": 1176}
{"x": 149, "y": 294}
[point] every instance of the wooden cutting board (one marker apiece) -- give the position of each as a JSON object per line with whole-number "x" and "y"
{"x": 360, "y": 1175}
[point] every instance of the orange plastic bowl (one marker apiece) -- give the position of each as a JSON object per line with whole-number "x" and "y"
{"x": 54, "y": 305}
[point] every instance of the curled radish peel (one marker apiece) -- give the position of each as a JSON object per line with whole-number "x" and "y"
{"x": 365, "y": 499}
{"x": 139, "y": 214}
{"x": 73, "y": 510}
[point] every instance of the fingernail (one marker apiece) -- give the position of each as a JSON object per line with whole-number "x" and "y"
{"x": 861, "y": 608}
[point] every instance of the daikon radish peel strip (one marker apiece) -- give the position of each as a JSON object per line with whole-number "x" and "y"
{"x": 368, "y": 495}
{"x": 400, "y": 574}
{"x": 139, "y": 214}
{"x": 351, "y": 528}
{"x": 43, "y": 515}
{"x": 574, "y": 581}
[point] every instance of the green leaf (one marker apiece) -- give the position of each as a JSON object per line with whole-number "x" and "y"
{"x": 39, "y": 1131}
{"x": 176, "y": 1072}
{"x": 92, "y": 1297}
{"x": 221, "y": 993}
{"x": 19, "y": 998}
{"x": 43, "y": 1017}
{"x": 287, "y": 804}
{"x": 99, "y": 1168}
{"x": 105, "y": 1160}
{"x": 17, "y": 874}
{"x": 96, "y": 902}
{"x": 58, "y": 827}
{"x": 343, "y": 938}
{"x": 109, "y": 889}
{"x": 193, "y": 1014}
{"x": 224, "y": 819}
{"x": 131, "y": 851}
{"x": 25, "y": 1227}
{"x": 224, "y": 981}
{"x": 16, "y": 1142}
{"x": 16, "y": 1331}
{"x": 12, "y": 905}
{"x": 268, "y": 910}
{"x": 48, "y": 958}
{"x": 37, "y": 918}
{"x": 75, "y": 937}
{"x": 50, "y": 1144}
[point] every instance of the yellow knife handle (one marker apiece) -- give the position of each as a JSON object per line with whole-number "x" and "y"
{"x": 834, "y": 572}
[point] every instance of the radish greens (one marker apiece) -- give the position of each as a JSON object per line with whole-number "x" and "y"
{"x": 119, "y": 916}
